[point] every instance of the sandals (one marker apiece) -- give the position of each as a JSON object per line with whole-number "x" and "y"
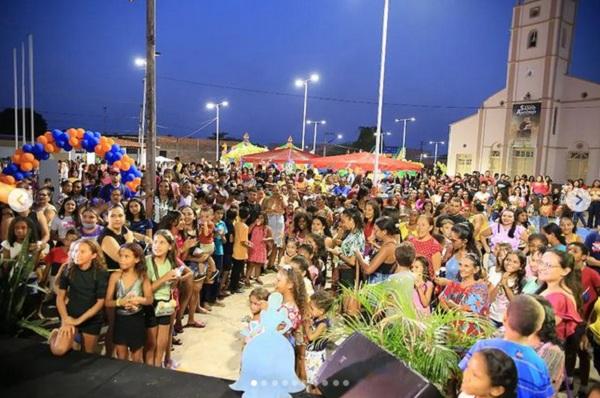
{"x": 196, "y": 324}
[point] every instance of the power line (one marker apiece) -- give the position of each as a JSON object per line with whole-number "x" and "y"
{"x": 345, "y": 100}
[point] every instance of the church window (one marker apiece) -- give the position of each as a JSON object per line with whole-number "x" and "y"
{"x": 534, "y": 12}
{"x": 532, "y": 39}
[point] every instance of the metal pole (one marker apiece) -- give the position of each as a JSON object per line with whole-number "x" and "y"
{"x": 23, "y": 91}
{"x": 16, "y": 94}
{"x": 315, "y": 138}
{"x": 304, "y": 115}
{"x": 142, "y": 134}
{"x": 404, "y": 139}
{"x": 217, "y": 138}
{"x": 31, "y": 87}
{"x": 151, "y": 97}
{"x": 435, "y": 155}
{"x": 386, "y": 5}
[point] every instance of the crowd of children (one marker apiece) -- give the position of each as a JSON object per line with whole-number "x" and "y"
{"x": 505, "y": 250}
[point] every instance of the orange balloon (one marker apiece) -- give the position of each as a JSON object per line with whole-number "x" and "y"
{"x": 36, "y": 164}
{"x": 80, "y": 133}
{"x": 26, "y": 166}
{"x": 42, "y": 140}
{"x": 19, "y": 152}
{"x": 27, "y": 157}
{"x": 98, "y": 150}
{"x": 124, "y": 165}
{"x": 117, "y": 164}
{"x": 105, "y": 147}
{"x": 48, "y": 136}
{"x": 49, "y": 148}
{"x": 16, "y": 158}
{"x": 10, "y": 180}
{"x": 74, "y": 141}
{"x": 71, "y": 133}
{"x": 111, "y": 142}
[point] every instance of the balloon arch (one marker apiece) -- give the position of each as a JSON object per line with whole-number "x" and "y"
{"x": 27, "y": 159}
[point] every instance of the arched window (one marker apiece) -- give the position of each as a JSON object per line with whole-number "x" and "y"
{"x": 532, "y": 39}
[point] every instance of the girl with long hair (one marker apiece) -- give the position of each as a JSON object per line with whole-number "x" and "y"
{"x": 129, "y": 290}
{"x": 80, "y": 298}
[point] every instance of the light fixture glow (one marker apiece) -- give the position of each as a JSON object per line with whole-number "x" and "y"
{"x": 210, "y": 105}
{"x": 139, "y": 62}
{"x": 314, "y": 77}
{"x": 225, "y": 103}
{"x": 299, "y": 82}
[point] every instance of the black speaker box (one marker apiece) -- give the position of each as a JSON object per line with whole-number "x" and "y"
{"x": 361, "y": 369}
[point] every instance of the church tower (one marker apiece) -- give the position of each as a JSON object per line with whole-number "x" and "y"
{"x": 539, "y": 55}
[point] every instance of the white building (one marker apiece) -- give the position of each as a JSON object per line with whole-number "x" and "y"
{"x": 544, "y": 121}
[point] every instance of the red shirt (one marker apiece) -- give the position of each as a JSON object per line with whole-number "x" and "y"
{"x": 207, "y": 239}
{"x": 590, "y": 280}
{"x": 426, "y": 249}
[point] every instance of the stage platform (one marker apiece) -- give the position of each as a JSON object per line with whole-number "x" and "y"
{"x": 28, "y": 370}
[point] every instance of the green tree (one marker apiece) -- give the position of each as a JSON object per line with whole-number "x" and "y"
{"x": 366, "y": 138}
{"x": 7, "y": 122}
{"x": 223, "y": 135}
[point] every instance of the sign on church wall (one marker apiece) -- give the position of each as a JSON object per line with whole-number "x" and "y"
{"x": 525, "y": 122}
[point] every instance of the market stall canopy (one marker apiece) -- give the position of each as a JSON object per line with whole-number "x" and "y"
{"x": 365, "y": 161}
{"x": 242, "y": 149}
{"x": 287, "y": 153}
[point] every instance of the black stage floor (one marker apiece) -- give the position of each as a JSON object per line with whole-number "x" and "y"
{"x": 27, "y": 369}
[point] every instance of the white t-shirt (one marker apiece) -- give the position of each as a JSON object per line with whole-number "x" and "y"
{"x": 482, "y": 197}
{"x": 62, "y": 225}
{"x": 13, "y": 250}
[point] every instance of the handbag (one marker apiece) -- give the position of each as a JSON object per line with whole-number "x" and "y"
{"x": 164, "y": 308}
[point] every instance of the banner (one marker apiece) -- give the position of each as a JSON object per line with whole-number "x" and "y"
{"x": 525, "y": 121}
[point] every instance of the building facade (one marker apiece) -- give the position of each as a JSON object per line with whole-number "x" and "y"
{"x": 544, "y": 121}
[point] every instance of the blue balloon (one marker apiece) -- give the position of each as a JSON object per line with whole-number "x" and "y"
{"x": 18, "y": 176}
{"x": 38, "y": 148}
{"x": 97, "y": 135}
{"x": 123, "y": 151}
{"x": 28, "y": 174}
{"x": 13, "y": 168}
{"x": 45, "y": 156}
{"x": 27, "y": 148}
{"x": 109, "y": 157}
{"x": 6, "y": 171}
{"x": 56, "y": 133}
{"x": 67, "y": 147}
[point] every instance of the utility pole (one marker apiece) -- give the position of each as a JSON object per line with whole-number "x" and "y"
{"x": 150, "y": 173}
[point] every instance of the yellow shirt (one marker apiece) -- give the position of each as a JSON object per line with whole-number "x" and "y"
{"x": 240, "y": 251}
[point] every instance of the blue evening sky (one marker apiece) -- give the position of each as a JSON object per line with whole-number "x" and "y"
{"x": 444, "y": 57}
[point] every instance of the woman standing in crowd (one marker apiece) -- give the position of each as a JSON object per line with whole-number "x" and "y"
{"x": 426, "y": 245}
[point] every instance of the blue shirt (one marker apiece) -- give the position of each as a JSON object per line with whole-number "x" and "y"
{"x": 452, "y": 269}
{"x": 107, "y": 190}
{"x": 533, "y": 378}
{"x": 218, "y": 241}
{"x": 341, "y": 191}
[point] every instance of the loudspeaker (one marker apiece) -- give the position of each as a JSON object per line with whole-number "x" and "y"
{"x": 361, "y": 369}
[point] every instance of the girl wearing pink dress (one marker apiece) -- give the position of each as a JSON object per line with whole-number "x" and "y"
{"x": 260, "y": 238}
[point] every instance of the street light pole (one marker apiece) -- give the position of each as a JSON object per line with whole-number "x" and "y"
{"x": 217, "y": 107}
{"x": 325, "y": 143}
{"x": 304, "y": 82}
{"x": 150, "y": 172}
{"x": 435, "y": 152}
{"x": 315, "y": 123}
{"x": 411, "y": 119}
{"x": 386, "y": 5}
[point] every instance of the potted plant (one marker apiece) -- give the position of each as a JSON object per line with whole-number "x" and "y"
{"x": 431, "y": 344}
{"x": 14, "y": 287}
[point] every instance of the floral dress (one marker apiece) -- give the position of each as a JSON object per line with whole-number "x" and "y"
{"x": 354, "y": 241}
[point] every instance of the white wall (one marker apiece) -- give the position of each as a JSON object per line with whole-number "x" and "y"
{"x": 462, "y": 139}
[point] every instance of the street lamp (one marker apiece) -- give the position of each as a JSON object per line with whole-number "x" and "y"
{"x": 316, "y": 124}
{"x": 217, "y": 106}
{"x": 436, "y": 143}
{"x": 423, "y": 156}
{"x": 300, "y": 83}
{"x": 386, "y": 6}
{"x": 335, "y": 137}
{"x": 408, "y": 119}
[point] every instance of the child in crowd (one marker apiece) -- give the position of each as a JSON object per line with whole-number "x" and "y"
{"x": 261, "y": 238}
{"x": 315, "y": 328}
{"x": 129, "y": 290}
{"x": 137, "y": 221}
{"x": 80, "y": 299}
{"x": 490, "y": 373}
{"x": 163, "y": 272}
{"x": 66, "y": 219}
{"x": 241, "y": 244}
{"x": 89, "y": 224}
{"x": 212, "y": 292}
{"x": 291, "y": 250}
{"x": 258, "y": 301}
{"x": 423, "y": 287}
{"x": 57, "y": 257}
{"x": 291, "y": 286}
{"x": 301, "y": 264}
{"x": 495, "y": 260}
{"x": 511, "y": 284}
{"x": 207, "y": 229}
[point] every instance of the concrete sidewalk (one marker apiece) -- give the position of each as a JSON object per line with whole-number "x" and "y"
{"x": 216, "y": 349}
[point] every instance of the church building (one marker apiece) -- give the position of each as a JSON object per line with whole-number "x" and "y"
{"x": 544, "y": 122}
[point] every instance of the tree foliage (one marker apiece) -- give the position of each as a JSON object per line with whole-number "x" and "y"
{"x": 366, "y": 138}
{"x": 7, "y": 122}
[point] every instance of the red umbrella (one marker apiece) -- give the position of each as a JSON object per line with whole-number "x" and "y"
{"x": 365, "y": 161}
{"x": 282, "y": 155}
